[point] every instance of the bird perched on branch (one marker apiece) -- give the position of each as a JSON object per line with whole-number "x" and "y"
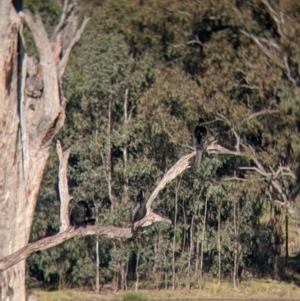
{"x": 138, "y": 211}
{"x": 80, "y": 215}
{"x": 200, "y": 139}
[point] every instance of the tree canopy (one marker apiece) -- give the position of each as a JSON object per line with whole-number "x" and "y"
{"x": 136, "y": 83}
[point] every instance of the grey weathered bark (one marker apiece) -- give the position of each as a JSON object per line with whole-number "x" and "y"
{"x": 13, "y": 223}
{"x": 31, "y": 112}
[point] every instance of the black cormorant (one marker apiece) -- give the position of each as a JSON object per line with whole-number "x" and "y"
{"x": 200, "y": 139}
{"x": 138, "y": 209}
{"x": 81, "y": 215}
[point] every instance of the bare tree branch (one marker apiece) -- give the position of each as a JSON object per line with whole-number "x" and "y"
{"x": 181, "y": 165}
{"x": 275, "y": 17}
{"x": 272, "y": 177}
{"x": 52, "y": 241}
{"x": 235, "y": 179}
{"x": 64, "y": 61}
{"x": 67, "y": 9}
{"x": 263, "y": 112}
{"x": 285, "y": 171}
{"x": 149, "y": 219}
{"x": 288, "y": 71}
{"x": 215, "y": 148}
{"x": 51, "y": 89}
{"x": 275, "y": 58}
{"x": 263, "y": 173}
{"x": 63, "y": 187}
{"x": 195, "y": 41}
{"x": 280, "y": 58}
{"x": 237, "y": 137}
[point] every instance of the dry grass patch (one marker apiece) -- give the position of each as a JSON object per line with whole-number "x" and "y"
{"x": 262, "y": 289}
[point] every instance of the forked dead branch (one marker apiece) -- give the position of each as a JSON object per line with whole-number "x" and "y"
{"x": 67, "y": 232}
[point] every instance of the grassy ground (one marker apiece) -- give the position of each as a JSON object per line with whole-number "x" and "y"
{"x": 264, "y": 289}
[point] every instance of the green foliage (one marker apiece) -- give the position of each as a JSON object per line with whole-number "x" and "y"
{"x": 156, "y": 66}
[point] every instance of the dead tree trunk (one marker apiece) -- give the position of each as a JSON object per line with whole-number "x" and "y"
{"x": 32, "y": 110}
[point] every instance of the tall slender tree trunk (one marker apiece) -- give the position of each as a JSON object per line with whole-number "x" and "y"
{"x": 191, "y": 249}
{"x": 197, "y": 255}
{"x": 155, "y": 273}
{"x": 96, "y": 204}
{"x": 125, "y": 148}
{"x": 235, "y": 265}
{"x": 202, "y": 244}
{"x": 115, "y": 280}
{"x": 97, "y": 265}
{"x": 108, "y": 156}
{"x": 286, "y": 236}
{"x": 166, "y": 270}
{"x": 219, "y": 243}
{"x": 97, "y": 253}
{"x": 184, "y": 227}
{"x": 174, "y": 236}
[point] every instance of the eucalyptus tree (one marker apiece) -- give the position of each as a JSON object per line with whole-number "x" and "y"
{"x": 32, "y": 111}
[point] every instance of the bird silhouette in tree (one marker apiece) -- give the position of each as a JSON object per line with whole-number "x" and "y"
{"x": 138, "y": 208}
{"x": 200, "y": 139}
{"x": 80, "y": 215}
{"x": 138, "y": 211}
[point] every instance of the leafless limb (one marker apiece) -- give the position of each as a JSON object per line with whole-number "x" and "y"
{"x": 179, "y": 11}
{"x": 181, "y": 165}
{"x": 235, "y": 179}
{"x": 272, "y": 177}
{"x": 215, "y": 148}
{"x": 167, "y": 131}
{"x": 251, "y": 87}
{"x": 285, "y": 171}
{"x": 150, "y": 218}
{"x": 67, "y": 9}
{"x": 46, "y": 61}
{"x": 52, "y": 241}
{"x": 183, "y": 12}
{"x": 274, "y": 52}
{"x": 263, "y": 173}
{"x": 64, "y": 61}
{"x": 195, "y": 41}
{"x": 275, "y": 58}
{"x": 276, "y": 17}
{"x": 263, "y": 112}
{"x": 279, "y": 202}
{"x": 288, "y": 71}
{"x": 63, "y": 187}
{"x": 237, "y": 136}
